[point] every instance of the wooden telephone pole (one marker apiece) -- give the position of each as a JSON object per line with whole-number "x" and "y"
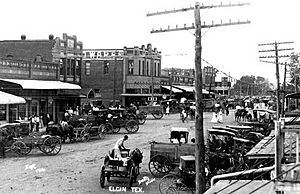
{"x": 279, "y": 138}
{"x": 199, "y": 132}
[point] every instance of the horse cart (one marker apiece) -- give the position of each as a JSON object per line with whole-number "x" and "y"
{"x": 125, "y": 167}
{"x": 156, "y": 111}
{"x": 50, "y": 145}
{"x": 117, "y": 119}
{"x": 164, "y": 157}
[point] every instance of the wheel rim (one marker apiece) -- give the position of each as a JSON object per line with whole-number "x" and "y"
{"x": 157, "y": 114}
{"x": 177, "y": 188}
{"x": 115, "y": 129}
{"x": 132, "y": 126}
{"x": 20, "y": 148}
{"x": 101, "y": 131}
{"x": 85, "y": 136}
{"x": 131, "y": 177}
{"x": 166, "y": 181}
{"x": 102, "y": 178}
{"x": 51, "y": 146}
{"x": 159, "y": 165}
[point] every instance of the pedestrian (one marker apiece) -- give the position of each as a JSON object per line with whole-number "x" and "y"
{"x": 168, "y": 109}
{"x": 215, "y": 114}
{"x": 37, "y": 122}
{"x": 32, "y": 123}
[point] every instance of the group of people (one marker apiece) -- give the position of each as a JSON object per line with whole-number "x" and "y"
{"x": 219, "y": 109}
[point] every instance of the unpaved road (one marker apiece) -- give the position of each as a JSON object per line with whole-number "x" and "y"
{"x": 76, "y": 169}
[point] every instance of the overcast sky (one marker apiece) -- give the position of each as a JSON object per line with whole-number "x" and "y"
{"x": 118, "y": 23}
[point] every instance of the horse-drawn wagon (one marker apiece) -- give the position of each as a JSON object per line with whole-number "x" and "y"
{"x": 155, "y": 110}
{"x": 164, "y": 157}
{"x": 125, "y": 167}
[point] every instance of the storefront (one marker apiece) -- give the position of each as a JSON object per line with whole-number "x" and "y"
{"x": 9, "y": 106}
{"x": 42, "y": 97}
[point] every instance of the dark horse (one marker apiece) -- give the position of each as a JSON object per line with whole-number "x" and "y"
{"x": 64, "y": 131}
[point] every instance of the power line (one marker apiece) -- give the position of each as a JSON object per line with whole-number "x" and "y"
{"x": 199, "y": 133}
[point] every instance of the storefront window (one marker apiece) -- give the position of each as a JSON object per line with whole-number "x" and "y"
{"x": 2, "y": 112}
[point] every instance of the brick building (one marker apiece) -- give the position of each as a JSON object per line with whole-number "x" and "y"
{"x": 127, "y": 74}
{"x": 45, "y": 72}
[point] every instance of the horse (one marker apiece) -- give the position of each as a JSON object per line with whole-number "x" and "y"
{"x": 62, "y": 130}
{"x": 135, "y": 157}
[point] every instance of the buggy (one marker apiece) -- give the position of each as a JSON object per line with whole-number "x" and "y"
{"x": 117, "y": 118}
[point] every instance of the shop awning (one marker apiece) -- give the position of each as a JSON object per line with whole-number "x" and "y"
{"x": 175, "y": 90}
{"x": 6, "y": 98}
{"x": 141, "y": 95}
{"x": 43, "y": 84}
{"x": 189, "y": 89}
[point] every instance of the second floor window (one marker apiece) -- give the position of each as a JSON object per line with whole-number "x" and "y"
{"x": 106, "y": 67}
{"x": 87, "y": 68}
{"x": 130, "y": 67}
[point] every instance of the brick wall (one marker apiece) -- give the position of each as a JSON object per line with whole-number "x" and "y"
{"x": 27, "y": 49}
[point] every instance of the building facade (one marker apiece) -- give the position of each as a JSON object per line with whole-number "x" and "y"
{"x": 45, "y": 72}
{"x": 128, "y": 74}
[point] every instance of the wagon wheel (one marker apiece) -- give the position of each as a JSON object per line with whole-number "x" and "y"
{"x": 84, "y": 134}
{"x": 166, "y": 181}
{"x": 115, "y": 129}
{"x": 20, "y": 148}
{"x": 177, "y": 188}
{"x": 101, "y": 131}
{"x": 159, "y": 165}
{"x": 102, "y": 177}
{"x": 132, "y": 176}
{"x": 132, "y": 126}
{"x": 157, "y": 114}
{"x": 51, "y": 146}
{"x": 141, "y": 119}
{"x": 107, "y": 128}
{"x": 144, "y": 114}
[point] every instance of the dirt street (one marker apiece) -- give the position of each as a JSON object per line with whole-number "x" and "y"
{"x": 76, "y": 169}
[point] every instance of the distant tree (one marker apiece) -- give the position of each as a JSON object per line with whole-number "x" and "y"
{"x": 250, "y": 85}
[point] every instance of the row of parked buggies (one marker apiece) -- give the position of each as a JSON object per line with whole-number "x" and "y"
{"x": 17, "y": 138}
{"x": 99, "y": 123}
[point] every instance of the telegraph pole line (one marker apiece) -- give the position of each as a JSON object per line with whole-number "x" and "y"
{"x": 276, "y": 56}
{"x": 279, "y": 138}
{"x": 199, "y": 130}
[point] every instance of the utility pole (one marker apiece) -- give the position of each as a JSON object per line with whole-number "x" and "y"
{"x": 279, "y": 137}
{"x": 276, "y": 50}
{"x": 199, "y": 130}
{"x": 171, "y": 83}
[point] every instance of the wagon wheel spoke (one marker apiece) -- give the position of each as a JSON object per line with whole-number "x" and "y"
{"x": 101, "y": 131}
{"x": 20, "y": 148}
{"x": 132, "y": 126}
{"x": 84, "y": 135}
{"x": 159, "y": 165}
{"x": 102, "y": 177}
{"x": 166, "y": 181}
{"x": 51, "y": 146}
{"x": 177, "y": 188}
{"x": 157, "y": 114}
